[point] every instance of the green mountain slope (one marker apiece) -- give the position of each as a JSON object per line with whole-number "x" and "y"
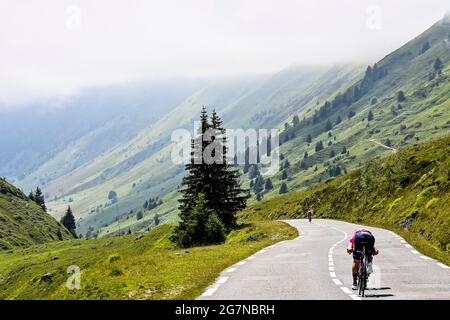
{"x": 408, "y": 192}
{"x": 423, "y": 115}
{"x": 355, "y": 115}
{"x": 23, "y": 222}
{"x": 142, "y": 167}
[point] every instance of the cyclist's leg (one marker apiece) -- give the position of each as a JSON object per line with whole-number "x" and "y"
{"x": 355, "y": 269}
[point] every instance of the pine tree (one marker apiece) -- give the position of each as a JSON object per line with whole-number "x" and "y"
{"x": 68, "y": 221}
{"x": 199, "y": 226}
{"x": 286, "y": 164}
{"x": 308, "y": 138}
{"x": 319, "y": 146}
{"x": 351, "y": 114}
{"x": 156, "y": 219}
{"x": 268, "y": 186}
{"x": 283, "y": 188}
{"x": 437, "y": 65}
{"x": 39, "y": 199}
{"x": 253, "y": 171}
{"x": 305, "y": 155}
{"x": 328, "y": 125}
{"x": 284, "y": 175}
{"x": 370, "y": 116}
{"x": 31, "y": 196}
{"x": 295, "y": 121}
{"x": 425, "y": 46}
{"x": 400, "y": 96}
{"x": 218, "y": 183}
{"x": 259, "y": 184}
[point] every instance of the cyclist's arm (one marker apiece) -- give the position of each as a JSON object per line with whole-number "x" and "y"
{"x": 351, "y": 244}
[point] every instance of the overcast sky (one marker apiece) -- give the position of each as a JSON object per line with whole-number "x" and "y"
{"x": 55, "y": 47}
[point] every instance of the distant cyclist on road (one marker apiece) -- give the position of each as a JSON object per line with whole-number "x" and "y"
{"x": 361, "y": 238}
{"x": 310, "y": 213}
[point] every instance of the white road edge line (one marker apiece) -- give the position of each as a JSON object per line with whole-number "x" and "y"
{"x": 231, "y": 270}
{"x": 443, "y": 265}
{"x": 209, "y": 292}
{"x": 222, "y": 280}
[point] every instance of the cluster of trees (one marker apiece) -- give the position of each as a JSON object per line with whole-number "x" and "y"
{"x": 152, "y": 203}
{"x": 211, "y": 193}
{"x": 351, "y": 95}
{"x": 68, "y": 219}
{"x": 334, "y": 170}
{"x": 259, "y": 185}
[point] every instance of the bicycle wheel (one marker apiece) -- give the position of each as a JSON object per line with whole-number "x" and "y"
{"x": 364, "y": 278}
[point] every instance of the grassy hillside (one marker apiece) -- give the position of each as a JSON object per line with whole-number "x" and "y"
{"x": 323, "y": 111}
{"x": 129, "y": 267}
{"x": 142, "y": 168}
{"x": 423, "y": 115}
{"x": 23, "y": 222}
{"x": 408, "y": 192}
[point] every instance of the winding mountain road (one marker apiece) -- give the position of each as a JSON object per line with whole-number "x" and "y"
{"x": 316, "y": 266}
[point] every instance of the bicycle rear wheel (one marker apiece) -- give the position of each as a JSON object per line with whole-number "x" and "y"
{"x": 362, "y": 278}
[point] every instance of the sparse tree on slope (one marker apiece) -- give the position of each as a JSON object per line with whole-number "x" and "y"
{"x": 215, "y": 187}
{"x": 39, "y": 199}
{"x": 283, "y": 188}
{"x": 68, "y": 221}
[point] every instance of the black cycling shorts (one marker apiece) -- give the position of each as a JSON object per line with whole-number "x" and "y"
{"x": 363, "y": 240}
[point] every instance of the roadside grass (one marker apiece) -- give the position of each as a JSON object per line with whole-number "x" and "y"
{"x": 145, "y": 266}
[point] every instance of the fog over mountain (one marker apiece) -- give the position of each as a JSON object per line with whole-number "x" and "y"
{"x": 54, "y": 48}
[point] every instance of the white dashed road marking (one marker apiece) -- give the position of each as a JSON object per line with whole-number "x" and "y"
{"x": 222, "y": 280}
{"x": 346, "y": 290}
{"x": 209, "y": 292}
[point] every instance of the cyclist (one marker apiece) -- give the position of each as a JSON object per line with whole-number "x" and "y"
{"x": 361, "y": 238}
{"x": 310, "y": 213}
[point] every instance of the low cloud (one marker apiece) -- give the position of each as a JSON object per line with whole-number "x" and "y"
{"x": 54, "y": 48}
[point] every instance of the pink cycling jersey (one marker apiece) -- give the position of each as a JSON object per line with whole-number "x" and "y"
{"x": 351, "y": 242}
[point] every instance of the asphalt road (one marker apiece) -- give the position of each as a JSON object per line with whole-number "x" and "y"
{"x": 316, "y": 266}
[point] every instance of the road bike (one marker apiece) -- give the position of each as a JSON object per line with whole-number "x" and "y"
{"x": 362, "y": 272}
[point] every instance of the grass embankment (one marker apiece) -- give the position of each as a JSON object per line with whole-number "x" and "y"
{"x": 23, "y": 222}
{"x": 130, "y": 267}
{"x": 408, "y": 192}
